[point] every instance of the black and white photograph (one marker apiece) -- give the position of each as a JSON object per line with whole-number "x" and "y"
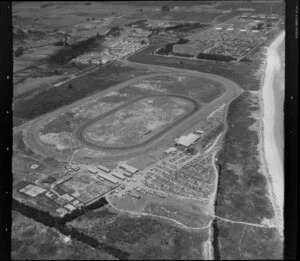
{"x": 149, "y": 130}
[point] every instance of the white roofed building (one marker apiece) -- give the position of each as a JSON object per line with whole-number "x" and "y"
{"x": 187, "y": 141}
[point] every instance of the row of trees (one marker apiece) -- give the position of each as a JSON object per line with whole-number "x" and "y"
{"x": 215, "y": 57}
{"x": 169, "y": 47}
{"x": 72, "y": 51}
{"x": 185, "y": 27}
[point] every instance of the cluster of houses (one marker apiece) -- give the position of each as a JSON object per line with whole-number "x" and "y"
{"x": 125, "y": 47}
{"x": 93, "y": 58}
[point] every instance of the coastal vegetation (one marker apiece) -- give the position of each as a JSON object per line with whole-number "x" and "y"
{"x": 32, "y": 241}
{"x": 242, "y": 193}
{"x": 238, "y": 241}
{"x": 142, "y": 237}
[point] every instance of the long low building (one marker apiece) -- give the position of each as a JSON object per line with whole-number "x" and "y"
{"x": 128, "y": 168}
{"x": 118, "y": 175}
{"x": 103, "y": 168}
{"x": 108, "y": 177}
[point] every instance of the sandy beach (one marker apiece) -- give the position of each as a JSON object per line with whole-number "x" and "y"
{"x": 272, "y": 110}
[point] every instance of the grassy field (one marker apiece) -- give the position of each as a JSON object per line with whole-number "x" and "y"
{"x": 54, "y": 98}
{"x": 33, "y": 241}
{"x": 70, "y": 120}
{"x": 202, "y": 89}
{"x": 142, "y": 237}
{"x": 242, "y": 192}
{"x": 254, "y": 243}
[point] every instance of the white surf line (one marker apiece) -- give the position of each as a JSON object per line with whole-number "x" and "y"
{"x": 271, "y": 155}
{"x": 136, "y": 213}
{"x": 210, "y": 248}
{"x": 247, "y": 223}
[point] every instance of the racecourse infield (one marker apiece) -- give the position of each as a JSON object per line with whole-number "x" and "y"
{"x": 80, "y": 131}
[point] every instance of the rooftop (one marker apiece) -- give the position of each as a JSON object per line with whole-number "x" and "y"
{"x": 187, "y": 140}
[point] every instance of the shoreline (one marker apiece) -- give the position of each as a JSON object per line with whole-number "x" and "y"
{"x": 271, "y": 137}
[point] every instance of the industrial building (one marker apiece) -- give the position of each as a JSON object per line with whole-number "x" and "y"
{"x": 186, "y": 141}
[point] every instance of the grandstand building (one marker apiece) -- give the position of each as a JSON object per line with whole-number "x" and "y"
{"x": 186, "y": 141}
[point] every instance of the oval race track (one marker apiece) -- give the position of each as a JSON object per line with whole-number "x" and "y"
{"x": 80, "y": 131}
